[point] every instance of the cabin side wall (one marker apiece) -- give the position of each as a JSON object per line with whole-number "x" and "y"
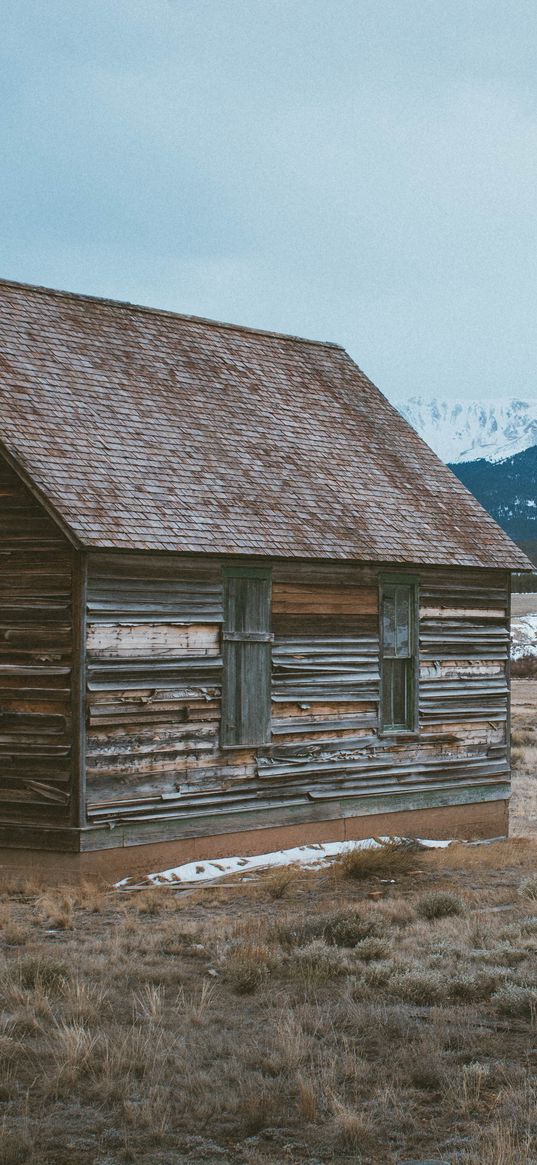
{"x": 37, "y": 575}
{"x": 155, "y": 766}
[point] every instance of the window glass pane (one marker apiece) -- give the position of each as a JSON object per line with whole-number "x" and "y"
{"x": 388, "y": 619}
{"x": 395, "y": 691}
{"x": 402, "y": 621}
{"x": 396, "y": 614}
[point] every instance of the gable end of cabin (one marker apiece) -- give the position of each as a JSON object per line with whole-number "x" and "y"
{"x": 39, "y": 673}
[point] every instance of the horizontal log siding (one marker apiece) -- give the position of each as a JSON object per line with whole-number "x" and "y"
{"x": 154, "y": 690}
{"x": 154, "y": 670}
{"x": 36, "y": 571}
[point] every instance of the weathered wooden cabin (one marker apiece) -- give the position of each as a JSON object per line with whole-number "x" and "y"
{"x": 242, "y": 604}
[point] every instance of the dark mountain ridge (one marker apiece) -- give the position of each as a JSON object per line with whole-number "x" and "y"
{"x": 508, "y": 490}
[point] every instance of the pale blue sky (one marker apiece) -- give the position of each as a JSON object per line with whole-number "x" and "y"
{"x": 356, "y": 170}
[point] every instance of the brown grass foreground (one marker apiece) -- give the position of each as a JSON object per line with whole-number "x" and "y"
{"x": 297, "y": 1017}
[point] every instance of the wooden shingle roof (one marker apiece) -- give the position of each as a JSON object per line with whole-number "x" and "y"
{"x": 143, "y": 429}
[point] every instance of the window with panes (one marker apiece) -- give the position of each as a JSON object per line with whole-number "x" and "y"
{"x": 398, "y": 654}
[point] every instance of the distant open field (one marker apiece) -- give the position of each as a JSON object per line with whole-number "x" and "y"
{"x": 524, "y": 604}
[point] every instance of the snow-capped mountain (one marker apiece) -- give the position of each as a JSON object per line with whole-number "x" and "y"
{"x": 468, "y": 430}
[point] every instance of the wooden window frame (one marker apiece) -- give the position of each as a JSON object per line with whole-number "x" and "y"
{"x": 411, "y": 728}
{"x": 231, "y": 638}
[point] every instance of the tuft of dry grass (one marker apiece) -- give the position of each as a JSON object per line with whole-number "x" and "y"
{"x": 354, "y": 1129}
{"x": 307, "y": 1101}
{"x": 247, "y": 966}
{"x": 56, "y": 909}
{"x": 73, "y": 1054}
{"x": 279, "y": 881}
{"x": 195, "y": 1007}
{"x": 153, "y": 901}
{"x": 439, "y": 904}
{"x": 387, "y": 859}
{"x": 38, "y": 973}
{"x": 12, "y": 930}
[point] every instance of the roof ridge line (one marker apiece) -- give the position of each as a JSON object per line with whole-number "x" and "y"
{"x": 162, "y": 311}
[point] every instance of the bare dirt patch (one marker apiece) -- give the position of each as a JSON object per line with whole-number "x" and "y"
{"x": 328, "y": 1019}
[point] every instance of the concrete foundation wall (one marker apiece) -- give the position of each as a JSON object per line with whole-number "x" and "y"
{"x": 487, "y": 819}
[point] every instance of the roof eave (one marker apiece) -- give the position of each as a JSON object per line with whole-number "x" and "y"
{"x": 16, "y": 463}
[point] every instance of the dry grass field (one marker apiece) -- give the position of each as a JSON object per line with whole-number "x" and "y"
{"x": 367, "y": 1012}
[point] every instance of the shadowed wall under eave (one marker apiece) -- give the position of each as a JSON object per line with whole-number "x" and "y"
{"x": 36, "y": 574}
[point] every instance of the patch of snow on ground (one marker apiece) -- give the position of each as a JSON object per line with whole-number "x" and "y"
{"x": 523, "y": 636}
{"x": 306, "y": 855}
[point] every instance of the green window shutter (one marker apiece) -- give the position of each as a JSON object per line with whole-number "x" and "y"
{"x": 247, "y": 650}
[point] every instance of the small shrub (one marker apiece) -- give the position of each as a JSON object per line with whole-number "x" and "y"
{"x": 471, "y": 988}
{"x": 439, "y": 904}
{"x": 422, "y": 987}
{"x": 518, "y": 758}
{"x": 317, "y": 962}
{"x": 379, "y": 974}
{"x": 341, "y": 928}
{"x": 372, "y": 948}
{"x": 516, "y": 1000}
{"x": 388, "y": 859}
{"x": 507, "y": 955}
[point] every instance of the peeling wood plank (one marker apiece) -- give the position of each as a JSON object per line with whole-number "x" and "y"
{"x": 308, "y": 599}
{"x": 151, "y": 640}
